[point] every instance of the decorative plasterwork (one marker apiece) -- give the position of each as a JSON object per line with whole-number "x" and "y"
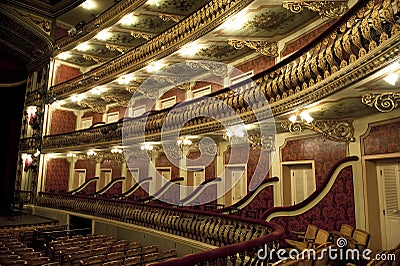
{"x": 120, "y": 100}
{"x": 330, "y": 9}
{"x": 139, "y": 34}
{"x": 217, "y": 69}
{"x": 263, "y": 47}
{"x": 93, "y": 58}
{"x": 340, "y": 131}
{"x": 168, "y": 42}
{"x": 42, "y": 23}
{"x": 384, "y": 102}
{"x": 99, "y": 108}
{"x": 98, "y": 157}
{"x": 113, "y": 47}
{"x": 166, "y": 17}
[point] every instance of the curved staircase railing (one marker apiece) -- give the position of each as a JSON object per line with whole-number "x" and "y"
{"x": 108, "y": 186}
{"x": 135, "y": 187}
{"x": 83, "y": 186}
{"x": 200, "y": 188}
{"x": 163, "y": 189}
{"x": 246, "y": 200}
{"x": 315, "y": 197}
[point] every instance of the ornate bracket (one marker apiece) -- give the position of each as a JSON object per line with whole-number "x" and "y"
{"x": 339, "y": 131}
{"x": 101, "y": 156}
{"x": 330, "y": 9}
{"x": 166, "y": 17}
{"x": 138, "y": 35}
{"x": 217, "y": 69}
{"x": 113, "y": 47}
{"x": 93, "y": 58}
{"x": 384, "y": 102}
{"x": 121, "y": 101}
{"x": 96, "y": 108}
{"x": 262, "y": 47}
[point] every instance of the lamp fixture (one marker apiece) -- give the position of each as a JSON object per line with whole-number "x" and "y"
{"x": 190, "y": 49}
{"x": 116, "y": 150}
{"x": 184, "y": 142}
{"x": 83, "y": 47}
{"x": 340, "y": 131}
{"x": 391, "y": 78}
{"x": 103, "y": 35}
{"x": 64, "y": 56}
{"x": 89, "y": 5}
{"x": 128, "y": 20}
{"x": 147, "y": 147}
{"x": 91, "y": 153}
{"x": 236, "y": 134}
{"x": 155, "y": 66}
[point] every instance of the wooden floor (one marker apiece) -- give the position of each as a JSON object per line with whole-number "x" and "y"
{"x": 16, "y": 218}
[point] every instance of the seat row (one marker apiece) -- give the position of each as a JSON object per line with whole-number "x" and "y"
{"x": 129, "y": 258}
{"x": 14, "y": 252}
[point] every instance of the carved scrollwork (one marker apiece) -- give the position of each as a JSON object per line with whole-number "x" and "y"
{"x": 339, "y": 131}
{"x": 220, "y": 70}
{"x": 329, "y": 9}
{"x": 263, "y": 47}
{"x": 384, "y": 102}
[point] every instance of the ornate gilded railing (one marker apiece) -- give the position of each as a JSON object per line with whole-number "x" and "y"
{"x": 216, "y": 229}
{"x": 210, "y": 16}
{"x": 106, "y": 19}
{"x": 88, "y": 137}
{"x": 364, "y": 41}
{"x": 28, "y": 144}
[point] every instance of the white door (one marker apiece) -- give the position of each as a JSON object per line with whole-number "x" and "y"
{"x": 240, "y": 188}
{"x": 389, "y": 201}
{"x": 79, "y": 178}
{"x": 198, "y": 177}
{"x": 131, "y": 177}
{"x": 302, "y": 183}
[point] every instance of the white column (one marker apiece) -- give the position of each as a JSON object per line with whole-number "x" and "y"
{"x": 97, "y": 174}
{"x": 220, "y": 170}
{"x": 72, "y": 161}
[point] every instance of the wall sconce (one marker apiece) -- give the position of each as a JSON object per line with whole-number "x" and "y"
{"x": 184, "y": 142}
{"x": 116, "y": 150}
{"x": 146, "y": 147}
{"x": 340, "y": 131}
{"x": 235, "y": 134}
{"x": 391, "y": 78}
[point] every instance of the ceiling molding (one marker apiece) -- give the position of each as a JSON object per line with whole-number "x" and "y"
{"x": 50, "y": 10}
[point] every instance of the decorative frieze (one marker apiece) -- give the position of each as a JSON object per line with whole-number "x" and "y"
{"x": 263, "y": 47}
{"x": 384, "y": 102}
{"x": 330, "y": 9}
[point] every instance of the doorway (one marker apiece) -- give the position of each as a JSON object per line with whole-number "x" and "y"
{"x": 389, "y": 201}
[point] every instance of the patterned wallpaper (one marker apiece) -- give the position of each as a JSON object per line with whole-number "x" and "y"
{"x": 338, "y": 206}
{"x": 62, "y": 122}
{"x": 304, "y": 39}
{"x": 335, "y": 209}
{"x": 324, "y": 153}
{"x": 57, "y": 175}
{"x": 114, "y": 165}
{"x": 258, "y": 64}
{"x": 162, "y": 161}
{"x": 88, "y": 165}
{"x": 65, "y": 73}
{"x": 119, "y": 109}
{"x": 382, "y": 139}
{"x": 97, "y": 117}
{"x": 210, "y": 168}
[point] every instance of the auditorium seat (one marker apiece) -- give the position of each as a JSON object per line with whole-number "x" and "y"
{"x": 132, "y": 261}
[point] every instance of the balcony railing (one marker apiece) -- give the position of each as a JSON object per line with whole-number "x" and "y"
{"x": 216, "y": 229}
{"x": 365, "y": 40}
